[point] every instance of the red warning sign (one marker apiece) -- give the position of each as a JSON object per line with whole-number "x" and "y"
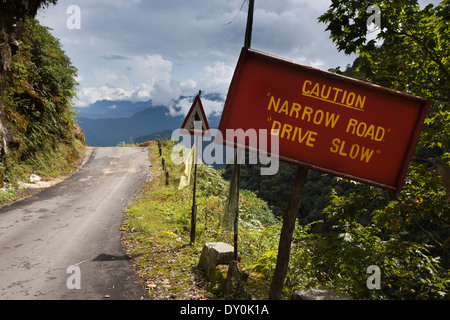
{"x": 196, "y": 122}
{"x": 330, "y": 123}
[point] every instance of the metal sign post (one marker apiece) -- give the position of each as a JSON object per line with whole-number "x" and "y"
{"x": 195, "y": 116}
{"x": 233, "y": 197}
{"x": 194, "y": 204}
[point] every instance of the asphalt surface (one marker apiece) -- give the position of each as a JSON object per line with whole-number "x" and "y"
{"x": 64, "y": 243}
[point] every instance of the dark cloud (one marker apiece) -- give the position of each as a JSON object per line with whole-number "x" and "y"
{"x": 116, "y": 57}
{"x": 159, "y": 49}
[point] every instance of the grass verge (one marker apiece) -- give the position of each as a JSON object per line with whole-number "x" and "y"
{"x": 157, "y": 233}
{"x": 163, "y": 259}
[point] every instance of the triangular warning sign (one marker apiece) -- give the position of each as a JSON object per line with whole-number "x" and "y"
{"x": 195, "y": 121}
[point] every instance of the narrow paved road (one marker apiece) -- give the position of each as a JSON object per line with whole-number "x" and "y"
{"x": 75, "y": 223}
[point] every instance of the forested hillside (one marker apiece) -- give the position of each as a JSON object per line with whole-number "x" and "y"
{"x": 275, "y": 189}
{"x": 406, "y": 234}
{"x": 39, "y": 133}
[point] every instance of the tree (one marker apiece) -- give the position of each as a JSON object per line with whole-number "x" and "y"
{"x": 36, "y": 103}
{"x": 12, "y": 11}
{"x": 409, "y": 54}
{"x": 412, "y": 57}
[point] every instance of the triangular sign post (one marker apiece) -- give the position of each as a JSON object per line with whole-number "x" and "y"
{"x": 196, "y": 114}
{"x": 197, "y": 125}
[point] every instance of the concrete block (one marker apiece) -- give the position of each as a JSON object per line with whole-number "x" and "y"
{"x": 213, "y": 254}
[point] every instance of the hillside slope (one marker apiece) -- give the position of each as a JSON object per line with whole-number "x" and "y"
{"x": 39, "y": 133}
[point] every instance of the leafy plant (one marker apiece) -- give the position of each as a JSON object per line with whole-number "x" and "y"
{"x": 36, "y": 106}
{"x": 405, "y": 234}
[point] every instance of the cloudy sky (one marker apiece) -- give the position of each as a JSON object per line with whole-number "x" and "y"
{"x": 160, "y": 49}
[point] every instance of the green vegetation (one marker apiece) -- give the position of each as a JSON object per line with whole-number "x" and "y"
{"x": 344, "y": 227}
{"x": 275, "y": 189}
{"x": 406, "y": 234}
{"x": 333, "y": 252}
{"x": 35, "y": 105}
{"x": 124, "y": 144}
{"x": 158, "y": 228}
{"x": 348, "y": 226}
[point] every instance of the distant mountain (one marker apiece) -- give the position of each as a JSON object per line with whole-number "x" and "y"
{"x": 106, "y": 109}
{"x": 166, "y": 134}
{"x": 107, "y": 123}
